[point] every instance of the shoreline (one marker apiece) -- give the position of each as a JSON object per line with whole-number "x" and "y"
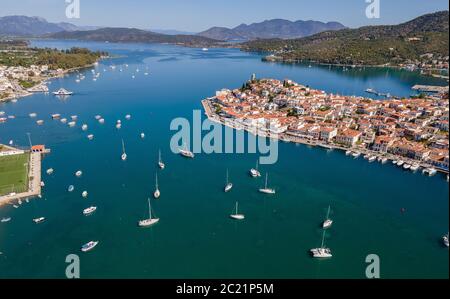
{"x": 285, "y": 137}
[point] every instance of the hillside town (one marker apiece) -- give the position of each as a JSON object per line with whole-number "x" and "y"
{"x": 414, "y": 129}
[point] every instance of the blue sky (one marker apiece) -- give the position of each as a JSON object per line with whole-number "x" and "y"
{"x": 198, "y": 15}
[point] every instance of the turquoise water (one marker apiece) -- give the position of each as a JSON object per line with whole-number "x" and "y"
{"x": 195, "y": 238}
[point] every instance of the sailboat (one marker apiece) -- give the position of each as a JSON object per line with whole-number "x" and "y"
{"x": 186, "y": 152}
{"x": 124, "y": 155}
{"x": 267, "y": 190}
{"x": 328, "y": 222}
{"x": 157, "y": 193}
{"x": 254, "y": 172}
{"x": 160, "y": 162}
{"x": 322, "y": 252}
{"x": 150, "y": 221}
{"x": 236, "y": 215}
{"x": 229, "y": 185}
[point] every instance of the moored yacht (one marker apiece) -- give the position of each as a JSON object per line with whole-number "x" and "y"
{"x": 254, "y": 172}
{"x": 5, "y": 220}
{"x": 328, "y": 222}
{"x": 39, "y": 220}
{"x": 372, "y": 159}
{"x": 124, "y": 154}
{"x": 84, "y": 127}
{"x": 50, "y": 171}
{"x": 79, "y": 173}
{"x": 228, "y": 185}
{"x": 321, "y": 252}
{"x": 406, "y": 166}
{"x": 415, "y": 167}
{"x": 71, "y": 188}
{"x": 400, "y": 163}
{"x": 157, "y": 193}
{"x": 84, "y": 194}
{"x": 267, "y": 190}
{"x": 161, "y": 164}
{"x": 90, "y": 136}
{"x": 236, "y": 214}
{"x": 186, "y": 152}
{"x": 89, "y": 211}
{"x": 89, "y": 246}
{"x": 356, "y": 155}
{"x": 142, "y": 135}
{"x": 445, "y": 240}
{"x": 150, "y": 221}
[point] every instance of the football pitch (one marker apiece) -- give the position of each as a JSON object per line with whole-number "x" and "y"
{"x": 14, "y": 174}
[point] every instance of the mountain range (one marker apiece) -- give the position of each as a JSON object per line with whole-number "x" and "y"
{"x": 374, "y": 45}
{"x": 276, "y": 28}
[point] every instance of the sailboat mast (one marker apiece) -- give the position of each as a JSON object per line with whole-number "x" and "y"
{"x": 149, "y": 209}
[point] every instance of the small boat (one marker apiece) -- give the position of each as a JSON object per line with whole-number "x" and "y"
{"x": 205, "y": 49}
{"x": 84, "y": 127}
{"x": 39, "y": 220}
{"x": 56, "y": 116}
{"x": 74, "y": 117}
{"x": 101, "y": 121}
{"x": 124, "y": 154}
{"x": 186, "y": 152}
{"x": 348, "y": 153}
{"x": 118, "y": 126}
{"x": 15, "y": 206}
{"x": 415, "y": 167}
{"x": 429, "y": 171}
{"x": 161, "y": 164}
{"x": 79, "y": 173}
{"x": 445, "y": 240}
{"x": 254, "y": 172}
{"x": 150, "y": 221}
{"x": 328, "y": 222}
{"x": 384, "y": 160}
{"x": 267, "y": 190}
{"x": 98, "y": 117}
{"x": 63, "y": 120}
{"x": 89, "y": 246}
{"x": 40, "y": 122}
{"x": 84, "y": 194}
{"x": 321, "y": 252}
{"x": 372, "y": 159}
{"x": 5, "y": 220}
{"x": 72, "y": 124}
{"x": 228, "y": 185}
{"x": 32, "y": 115}
{"x": 142, "y": 135}
{"x": 71, "y": 188}
{"x": 400, "y": 163}
{"x": 236, "y": 214}
{"x": 42, "y": 184}
{"x": 90, "y": 136}
{"x": 367, "y": 156}
{"x": 394, "y": 162}
{"x": 89, "y": 211}
{"x": 128, "y": 117}
{"x": 157, "y": 193}
{"x": 62, "y": 92}
{"x": 356, "y": 155}
{"x": 50, "y": 171}
{"x": 407, "y": 167}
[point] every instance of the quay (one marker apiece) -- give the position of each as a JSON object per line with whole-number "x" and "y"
{"x": 430, "y": 88}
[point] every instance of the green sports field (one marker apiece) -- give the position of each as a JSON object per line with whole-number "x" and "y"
{"x": 14, "y": 174}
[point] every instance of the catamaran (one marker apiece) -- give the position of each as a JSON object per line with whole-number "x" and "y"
{"x": 328, "y": 222}
{"x": 89, "y": 246}
{"x": 89, "y": 211}
{"x": 321, "y": 252}
{"x": 186, "y": 152}
{"x": 236, "y": 215}
{"x": 267, "y": 190}
{"x": 62, "y": 92}
{"x": 160, "y": 162}
{"x": 157, "y": 193}
{"x": 150, "y": 221}
{"x": 228, "y": 185}
{"x": 254, "y": 172}
{"x": 124, "y": 154}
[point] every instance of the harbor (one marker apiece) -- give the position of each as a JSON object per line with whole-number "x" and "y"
{"x": 312, "y": 184}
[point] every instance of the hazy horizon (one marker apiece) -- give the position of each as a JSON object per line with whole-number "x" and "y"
{"x": 198, "y": 15}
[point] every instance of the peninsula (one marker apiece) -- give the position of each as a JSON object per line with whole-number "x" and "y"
{"x": 412, "y": 132}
